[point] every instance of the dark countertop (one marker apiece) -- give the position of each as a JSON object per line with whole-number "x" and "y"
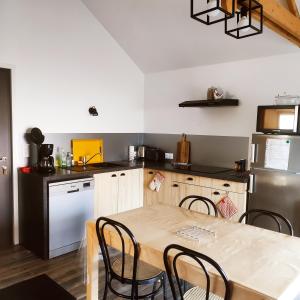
{"x": 207, "y": 171}
{"x": 223, "y": 173}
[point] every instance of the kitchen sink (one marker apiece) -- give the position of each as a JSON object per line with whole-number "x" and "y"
{"x": 93, "y": 167}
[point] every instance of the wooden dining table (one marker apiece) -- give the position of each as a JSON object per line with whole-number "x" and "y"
{"x": 261, "y": 264}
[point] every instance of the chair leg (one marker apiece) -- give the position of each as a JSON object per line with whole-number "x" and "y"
{"x": 136, "y": 291}
{"x": 164, "y": 279}
{"x": 105, "y": 287}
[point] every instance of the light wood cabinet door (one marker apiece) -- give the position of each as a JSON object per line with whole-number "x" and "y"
{"x": 130, "y": 194}
{"x": 164, "y": 193}
{"x": 239, "y": 200}
{"x": 106, "y": 194}
{"x": 182, "y": 190}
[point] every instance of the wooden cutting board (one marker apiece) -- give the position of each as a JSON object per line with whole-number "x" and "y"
{"x": 183, "y": 150}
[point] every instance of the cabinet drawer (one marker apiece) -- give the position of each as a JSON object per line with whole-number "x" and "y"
{"x": 230, "y": 186}
{"x": 185, "y": 178}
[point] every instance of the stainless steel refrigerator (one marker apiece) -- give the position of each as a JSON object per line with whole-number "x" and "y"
{"x": 275, "y": 177}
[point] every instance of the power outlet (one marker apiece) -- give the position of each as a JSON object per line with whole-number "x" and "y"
{"x": 169, "y": 156}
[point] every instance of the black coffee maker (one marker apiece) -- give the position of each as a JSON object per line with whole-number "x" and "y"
{"x": 46, "y": 161}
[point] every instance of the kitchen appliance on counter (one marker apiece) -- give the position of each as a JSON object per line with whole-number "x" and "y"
{"x": 275, "y": 177}
{"x": 154, "y": 154}
{"x": 278, "y": 119}
{"x": 46, "y": 161}
{"x": 71, "y": 204}
{"x": 141, "y": 151}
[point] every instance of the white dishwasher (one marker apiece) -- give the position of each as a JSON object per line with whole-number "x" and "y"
{"x": 71, "y": 204}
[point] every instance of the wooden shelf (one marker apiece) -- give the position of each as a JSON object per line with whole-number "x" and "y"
{"x": 210, "y": 103}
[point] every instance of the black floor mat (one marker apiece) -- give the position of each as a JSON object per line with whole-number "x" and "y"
{"x": 38, "y": 288}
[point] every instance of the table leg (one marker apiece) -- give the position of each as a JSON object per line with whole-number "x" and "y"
{"x": 92, "y": 262}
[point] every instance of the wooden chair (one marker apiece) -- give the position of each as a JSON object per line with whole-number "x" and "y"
{"x": 192, "y": 199}
{"x": 253, "y": 215}
{"x": 194, "y": 293}
{"x": 126, "y": 269}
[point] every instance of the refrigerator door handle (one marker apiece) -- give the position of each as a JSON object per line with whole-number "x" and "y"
{"x": 251, "y": 184}
{"x": 253, "y": 153}
{"x": 296, "y": 118}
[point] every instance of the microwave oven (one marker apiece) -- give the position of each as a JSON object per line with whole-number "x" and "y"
{"x": 278, "y": 119}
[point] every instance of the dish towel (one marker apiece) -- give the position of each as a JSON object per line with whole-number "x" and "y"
{"x": 226, "y": 207}
{"x": 156, "y": 182}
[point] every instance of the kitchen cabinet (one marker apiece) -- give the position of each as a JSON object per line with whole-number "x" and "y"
{"x": 181, "y": 190}
{"x": 164, "y": 194}
{"x": 239, "y": 200}
{"x": 119, "y": 191}
{"x": 178, "y": 186}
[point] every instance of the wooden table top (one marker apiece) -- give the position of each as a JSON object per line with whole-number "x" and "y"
{"x": 253, "y": 258}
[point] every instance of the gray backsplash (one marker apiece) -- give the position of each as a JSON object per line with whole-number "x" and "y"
{"x": 220, "y": 151}
{"x": 206, "y": 150}
{"x": 115, "y": 144}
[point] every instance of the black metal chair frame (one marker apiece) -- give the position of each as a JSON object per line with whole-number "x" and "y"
{"x": 273, "y": 215}
{"x": 171, "y": 267}
{"x": 111, "y": 275}
{"x": 204, "y": 200}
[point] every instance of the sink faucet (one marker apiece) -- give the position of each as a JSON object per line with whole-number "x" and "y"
{"x": 85, "y": 162}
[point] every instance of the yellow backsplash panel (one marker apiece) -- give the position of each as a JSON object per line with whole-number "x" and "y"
{"x": 88, "y": 148}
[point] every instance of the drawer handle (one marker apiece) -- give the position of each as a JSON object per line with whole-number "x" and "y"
{"x": 226, "y": 184}
{"x": 175, "y": 185}
{"x": 123, "y": 174}
{"x": 216, "y": 193}
{"x": 150, "y": 173}
{"x": 190, "y": 178}
{"x": 113, "y": 175}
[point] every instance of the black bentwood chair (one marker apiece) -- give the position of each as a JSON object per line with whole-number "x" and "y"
{"x": 253, "y": 215}
{"x": 195, "y": 293}
{"x": 126, "y": 269}
{"x": 193, "y": 199}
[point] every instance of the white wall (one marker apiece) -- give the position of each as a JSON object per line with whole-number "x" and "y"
{"x": 254, "y": 82}
{"x": 63, "y": 60}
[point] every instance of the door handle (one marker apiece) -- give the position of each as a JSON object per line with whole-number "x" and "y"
{"x": 253, "y": 153}
{"x": 216, "y": 193}
{"x": 3, "y": 158}
{"x": 226, "y": 185}
{"x": 4, "y": 170}
{"x": 251, "y": 184}
{"x": 122, "y": 174}
{"x": 190, "y": 178}
{"x": 113, "y": 175}
{"x": 175, "y": 185}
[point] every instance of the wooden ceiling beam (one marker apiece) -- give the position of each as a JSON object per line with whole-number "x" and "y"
{"x": 272, "y": 26}
{"x": 277, "y": 18}
{"x": 293, "y": 7}
{"x": 281, "y": 17}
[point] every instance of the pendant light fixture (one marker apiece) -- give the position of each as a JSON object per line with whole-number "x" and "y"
{"x": 211, "y": 11}
{"x": 243, "y": 24}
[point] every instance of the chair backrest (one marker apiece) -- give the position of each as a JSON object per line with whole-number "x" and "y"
{"x": 171, "y": 269}
{"x": 125, "y": 237}
{"x": 192, "y": 199}
{"x": 253, "y": 215}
